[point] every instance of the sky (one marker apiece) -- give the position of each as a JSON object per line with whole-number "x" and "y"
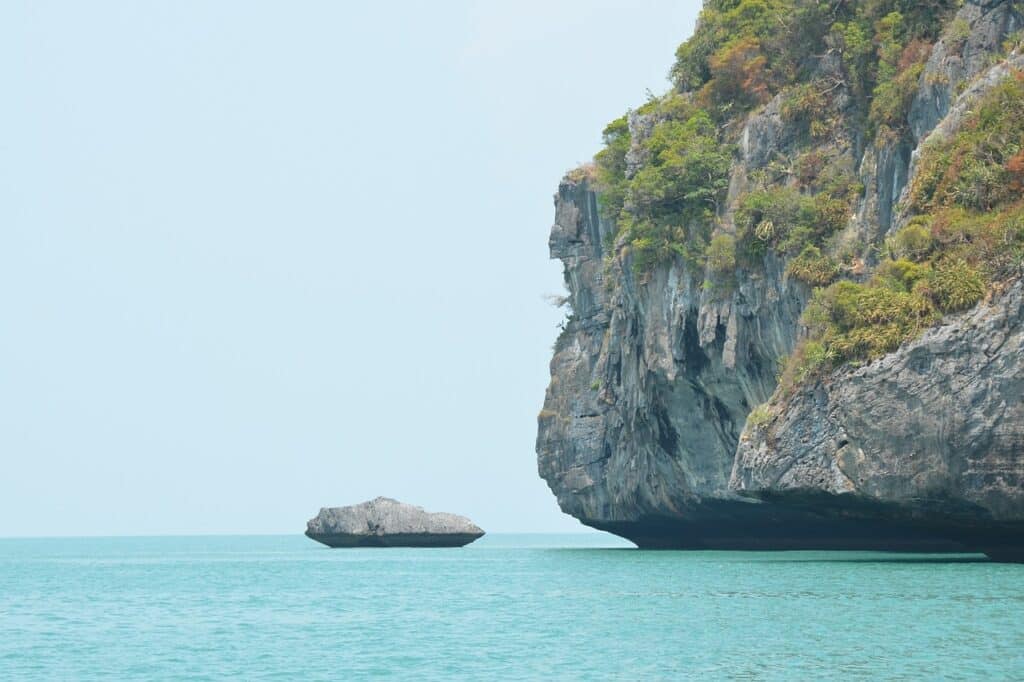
{"x": 262, "y": 257}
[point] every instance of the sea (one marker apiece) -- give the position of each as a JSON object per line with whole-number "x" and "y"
{"x": 508, "y": 607}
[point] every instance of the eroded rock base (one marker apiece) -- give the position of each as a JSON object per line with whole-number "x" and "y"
{"x": 395, "y": 540}
{"x": 766, "y": 527}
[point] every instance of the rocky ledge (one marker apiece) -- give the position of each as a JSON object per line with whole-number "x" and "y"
{"x": 927, "y": 438}
{"x": 384, "y": 522}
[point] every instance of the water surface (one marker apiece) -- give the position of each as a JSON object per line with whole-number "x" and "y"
{"x": 509, "y": 607}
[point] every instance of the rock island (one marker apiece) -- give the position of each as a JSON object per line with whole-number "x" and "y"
{"x": 384, "y": 522}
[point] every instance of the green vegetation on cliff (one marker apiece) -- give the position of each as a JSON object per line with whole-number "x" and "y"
{"x": 982, "y": 166}
{"x": 668, "y": 204}
{"x": 664, "y": 189}
{"x": 967, "y": 234}
{"x": 744, "y": 51}
{"x": 842, "y": 74}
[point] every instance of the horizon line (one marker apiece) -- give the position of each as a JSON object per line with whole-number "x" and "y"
{"x": 585, "y": 531}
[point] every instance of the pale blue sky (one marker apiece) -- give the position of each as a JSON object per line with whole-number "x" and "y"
{"x": 256, "y": 258}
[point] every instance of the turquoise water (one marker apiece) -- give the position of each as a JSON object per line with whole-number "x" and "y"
{"x": 506, "y": 607}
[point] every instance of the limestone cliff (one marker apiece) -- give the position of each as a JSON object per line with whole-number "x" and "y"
{"x": 931, "y": 435}
{"x": 644, "y": 430}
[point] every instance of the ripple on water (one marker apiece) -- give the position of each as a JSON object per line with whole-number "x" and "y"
{"x": 509, "y": 608}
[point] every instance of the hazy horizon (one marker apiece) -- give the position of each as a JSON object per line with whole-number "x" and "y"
{"x": 260, "y": 258}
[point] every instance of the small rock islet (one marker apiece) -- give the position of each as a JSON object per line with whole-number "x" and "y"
{"x": 384, "y": 522}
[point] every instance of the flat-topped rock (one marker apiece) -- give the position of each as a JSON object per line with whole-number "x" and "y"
{"x": 384, "y": 522}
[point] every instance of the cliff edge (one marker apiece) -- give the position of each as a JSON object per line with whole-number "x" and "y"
{"x": 794, "y": 291}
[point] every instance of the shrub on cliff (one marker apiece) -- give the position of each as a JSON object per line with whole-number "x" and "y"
{"x": 687, "y": 171}
{"x": 773, "y": 37}
{"x": 981, "y": 166}
{"x": 759, "y": 416}
{"x": 669, "y": 203}
{"x": 955, "y": 286}
{"x": 653, "y": 241}
{"x": 786, "y": 221}
{"x": 773, "y": 218}
{"x": 812, "y": 267}
{"x": 860, "y": 321}
{"x": 808, "y": 106}
{"x": 914, "y": 241}
{"x": 739, "y": 79}
{"x": 896, "y": 87}
{"x": 611, "y": 167}
{"x": 900, "y": 274}
{"x": 721, "y": 254}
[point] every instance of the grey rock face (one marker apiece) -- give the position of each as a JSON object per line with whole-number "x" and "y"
{"x": 383, "y": 522}
{"x": 958, "y": 56}
{"x": 651, "y": 385}
{"x": 932, "y": 435}
{"x": 651, "y": 381}
{"x": 654, "y": 375}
